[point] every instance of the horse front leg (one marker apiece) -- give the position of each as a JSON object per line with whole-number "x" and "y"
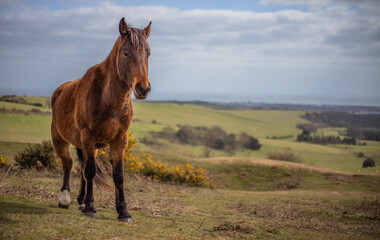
{"x": 117, "y": 158}
{"x": 82, "y": 189}
{"x": 62, "y": 149}
{"x": 89, "y": 173}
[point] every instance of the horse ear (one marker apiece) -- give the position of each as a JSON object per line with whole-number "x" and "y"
{"x": 123, "y": 27}
{"x": 147, "y": 30}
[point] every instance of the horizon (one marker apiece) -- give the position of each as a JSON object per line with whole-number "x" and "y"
{"x": 259, "y": 99}
{"x": 290, "y": 51}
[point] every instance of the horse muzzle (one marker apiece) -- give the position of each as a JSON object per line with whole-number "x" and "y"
{"x": 140, "y": 92}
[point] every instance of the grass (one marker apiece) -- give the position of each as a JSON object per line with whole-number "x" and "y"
{"x": 24, "y": 128}
{"x": 162, "y": 211}
{"x": 264, "y": 124}
{"x": 255, "y": 198}
{"x": 11, "y": 148}
{"x": 8, "y": 105}
{"x": 258, "y": 123}
{"x": 330, "y": 131}
{"x": 40, "y": 100}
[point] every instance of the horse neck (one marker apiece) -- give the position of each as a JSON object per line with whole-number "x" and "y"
{"x": 116, "y": 91}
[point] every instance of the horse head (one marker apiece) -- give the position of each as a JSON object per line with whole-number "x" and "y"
{"x": 132, "y": 59}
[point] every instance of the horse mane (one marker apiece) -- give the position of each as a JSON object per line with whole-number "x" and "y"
{"x": 137, "y": 38}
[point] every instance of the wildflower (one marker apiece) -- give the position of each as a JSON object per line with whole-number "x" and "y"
{"x": 3, "y": 161}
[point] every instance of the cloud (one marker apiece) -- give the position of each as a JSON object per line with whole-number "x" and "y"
{"x": 224, "y": 48}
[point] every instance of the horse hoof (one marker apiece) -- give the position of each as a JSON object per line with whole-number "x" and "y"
{"x": 60, "y": 205}
{"x": 81, "y": 207}
{"x": 126, "y": 220}
{"x": 90, "y": 214}
{"x": 64, "y": 199}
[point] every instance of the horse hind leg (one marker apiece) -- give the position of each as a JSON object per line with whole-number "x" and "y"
{"x": 62, "y": 150}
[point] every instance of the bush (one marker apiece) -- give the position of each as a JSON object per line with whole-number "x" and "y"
{"x": 13, "y": 99}
{"x": 214, "y": 137}
{"x": 180, "y": 174}
{"x": 369, "y": 162}
{"x": 284, "y": 156}
{"x": 307, "y": 128}
{"x": 156, "y": 170}
{"x": 249, "y": 142}
{"x": 38, "y": 156}
{"x": 360, "y": 154}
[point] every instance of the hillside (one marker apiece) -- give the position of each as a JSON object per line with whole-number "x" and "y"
{"x": 325, "y": 193}
{"x": 275, "y": 129}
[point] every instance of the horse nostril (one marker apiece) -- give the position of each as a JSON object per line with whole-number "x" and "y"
{"x": 139, "y": 88}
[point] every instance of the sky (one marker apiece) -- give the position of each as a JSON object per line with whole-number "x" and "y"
{"x": 294, "y": 51}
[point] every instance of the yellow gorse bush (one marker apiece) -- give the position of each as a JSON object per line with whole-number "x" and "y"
{"x": 3, "y": 161}
{"x": 180, "y": 174}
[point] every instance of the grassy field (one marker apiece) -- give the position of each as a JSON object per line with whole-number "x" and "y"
{"x": 41, "y": 100}
{"x": 323, "y": 206}
{"x": 259, "y": 123}
{"x": 24, "y": 128}
{"x": 8, "y": 105}
{"x": 263, "y": 124}
{"x": 326, "y": 195}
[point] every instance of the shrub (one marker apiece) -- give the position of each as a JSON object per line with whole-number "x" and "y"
{"x": 214, "y": 137}
{"x": 307, "y": 128}
{"x": 249, "y": 142}
{"x": 38, "y": 156}
{"x": 13, "y": 99}
{"x": 369, "y": 162}
{"x": 180, "y": 174}
{"x": 360, "y": 154}
{"x": 284, "y": 156}
{"x": 3, "y": 161}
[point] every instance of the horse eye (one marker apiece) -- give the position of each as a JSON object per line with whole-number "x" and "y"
{"x": 125, "y": 54}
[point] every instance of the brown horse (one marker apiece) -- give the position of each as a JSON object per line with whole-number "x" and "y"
{"x": 95, "y": 111}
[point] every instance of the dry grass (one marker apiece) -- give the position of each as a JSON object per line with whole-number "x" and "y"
{"x": 28, "y": 200}
{"x": 284, "y": 155}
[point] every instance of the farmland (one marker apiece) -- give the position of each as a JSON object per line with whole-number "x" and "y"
{"x": 326, "y": 194}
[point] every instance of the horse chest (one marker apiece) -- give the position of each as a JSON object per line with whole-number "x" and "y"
{"x": 112, "y": 127}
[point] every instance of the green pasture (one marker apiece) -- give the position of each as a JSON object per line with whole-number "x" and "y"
{"x": 330, "y": 131}
{"x": 25, "y": 107}
{"x": 41, "y": 100}
{"x": 258, "y": 123}
{"x": 252, "y": 199}
{"x": 263, "y": 124}
{"x": 24, "y": 128}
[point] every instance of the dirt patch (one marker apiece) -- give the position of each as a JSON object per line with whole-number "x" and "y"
{"x": 239, "y": 227}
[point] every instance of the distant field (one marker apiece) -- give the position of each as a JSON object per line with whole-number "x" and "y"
{"x": 24, "y": 128}
{"x": 258, "y": 123}
{"x": 41, "y": 100}
{"x": 263, "y": 124}
{"x": 8, "y": 105}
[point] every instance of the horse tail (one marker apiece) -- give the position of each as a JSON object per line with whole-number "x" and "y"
{"x": 102, "y": 177}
